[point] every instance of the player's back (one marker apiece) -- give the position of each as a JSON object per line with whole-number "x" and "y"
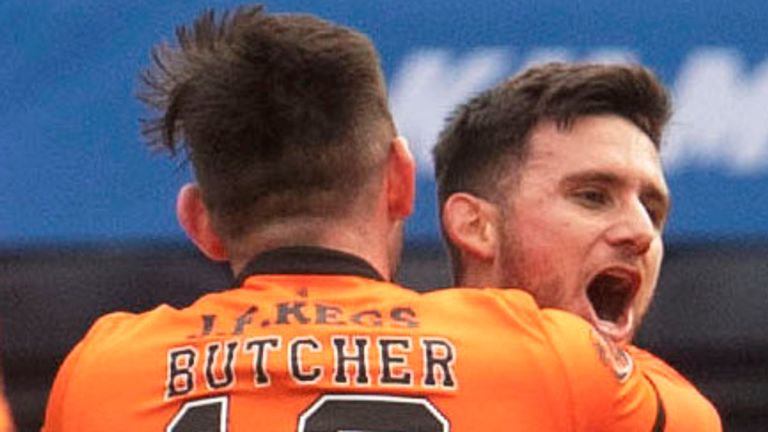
{"x": 324, "y": 352}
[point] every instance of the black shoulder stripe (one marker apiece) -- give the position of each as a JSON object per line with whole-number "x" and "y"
{"x": 661, "y": 414}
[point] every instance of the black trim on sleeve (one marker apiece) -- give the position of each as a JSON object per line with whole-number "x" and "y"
{"x": 307, "y": 260}
{"x": 661, "y": 413}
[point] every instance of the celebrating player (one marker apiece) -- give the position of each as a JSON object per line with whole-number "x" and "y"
{"x": 303, "y": 186}
{"x": 551, "y": 182}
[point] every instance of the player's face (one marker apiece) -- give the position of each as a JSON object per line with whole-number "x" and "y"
{"x": 582, "y": 227}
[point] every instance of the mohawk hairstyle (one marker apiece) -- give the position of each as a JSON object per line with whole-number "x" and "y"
{"x": 268, "y": 107}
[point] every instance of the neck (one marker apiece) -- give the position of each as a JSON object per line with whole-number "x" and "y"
{"x": 477, "y": 274}
{"x": 362, "y": 240}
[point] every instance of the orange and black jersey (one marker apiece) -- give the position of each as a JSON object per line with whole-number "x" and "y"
{"x": 684, "y": 407}
{"x": 315, "y": 340}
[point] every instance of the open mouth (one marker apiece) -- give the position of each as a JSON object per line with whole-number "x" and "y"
{"x": 611, "y": 293}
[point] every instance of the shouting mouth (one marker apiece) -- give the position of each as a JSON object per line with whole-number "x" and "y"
{"x": 611, "y": 294}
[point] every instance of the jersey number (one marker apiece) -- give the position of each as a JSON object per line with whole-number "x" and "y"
{"x": 365, "y": 413}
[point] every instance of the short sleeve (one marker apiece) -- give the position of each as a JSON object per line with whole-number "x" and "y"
{"x": 607, "y": 391}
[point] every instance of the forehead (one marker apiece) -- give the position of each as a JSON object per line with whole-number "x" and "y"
{"x": 605, "y": 144}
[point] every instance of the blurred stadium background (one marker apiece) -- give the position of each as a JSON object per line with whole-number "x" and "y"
{"x": 86, "y": 214}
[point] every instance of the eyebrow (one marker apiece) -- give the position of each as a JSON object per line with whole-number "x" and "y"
{"x": 648, "y": 191}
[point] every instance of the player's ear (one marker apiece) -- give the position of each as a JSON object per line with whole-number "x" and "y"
{"x": 196, "y": 221}
{"x": 469, "y": 223}
{"x": 401, "y": 179}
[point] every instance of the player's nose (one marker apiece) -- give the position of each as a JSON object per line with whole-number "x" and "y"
{"x": 633, "y": 229}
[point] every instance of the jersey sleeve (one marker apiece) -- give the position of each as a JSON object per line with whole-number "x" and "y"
{"x": 607, "y": 392}
{"x": 685, "y": 407}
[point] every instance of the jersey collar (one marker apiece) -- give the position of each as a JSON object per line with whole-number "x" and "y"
{"x": 307, "y": 260}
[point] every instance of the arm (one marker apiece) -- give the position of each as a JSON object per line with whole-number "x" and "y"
{"x": 686, "y": 408}
{"x": 618, "y": 388}
{"x": 607, "y": 391}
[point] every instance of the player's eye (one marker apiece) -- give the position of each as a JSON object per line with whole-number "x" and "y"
{"x": 657, "y": 215}
{"x": 592, "y": 197}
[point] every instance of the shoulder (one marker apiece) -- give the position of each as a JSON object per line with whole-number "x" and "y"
{"x": 115, "y": 327}
{"x": 92, "y": 368}
{"x": 115, "y": 336}
{"x": 76, "y": 372}
{"x": 503, "y": 300}
{"x": 512, "y": 313}
{"x": 567, "y": 343}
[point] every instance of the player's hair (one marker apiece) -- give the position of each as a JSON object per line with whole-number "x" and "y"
{"x": 281, "y": 115}
{"x": 487, "y": 139}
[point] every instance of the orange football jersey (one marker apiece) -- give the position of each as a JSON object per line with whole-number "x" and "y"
{"x": 314, "y": 340}
{"x": 685, "y": 407}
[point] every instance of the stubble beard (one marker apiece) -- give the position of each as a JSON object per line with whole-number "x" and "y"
{"x": 540, "y": 280}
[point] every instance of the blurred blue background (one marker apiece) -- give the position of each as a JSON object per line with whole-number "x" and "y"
{"x": 73, "y": 166}
{"x": 87, "y": 222}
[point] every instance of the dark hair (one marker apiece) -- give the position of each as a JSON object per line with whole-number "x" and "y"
{"x": 483, "y": 136}
{"x": 487, "y": 138}
{"x": 281, "y": 115}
